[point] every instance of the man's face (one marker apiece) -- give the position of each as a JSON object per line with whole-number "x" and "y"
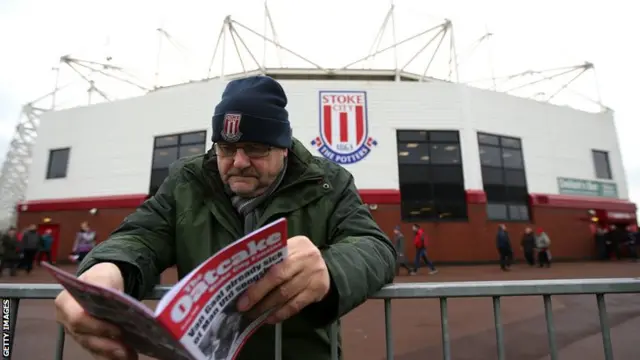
{"x": 415, "y": 228}
{"x": 249, "y": 168}
{"x": 11, "y": 232}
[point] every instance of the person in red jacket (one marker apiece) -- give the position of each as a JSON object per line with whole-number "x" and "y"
{"x": 420, "y": 241}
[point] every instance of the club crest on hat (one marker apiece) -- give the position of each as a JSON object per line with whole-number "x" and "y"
{"x": 231, "y": 127}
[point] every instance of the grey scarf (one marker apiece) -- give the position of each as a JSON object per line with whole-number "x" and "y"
{"x": 249, "y": 207}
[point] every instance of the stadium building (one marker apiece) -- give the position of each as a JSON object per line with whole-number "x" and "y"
{"x": 459, "y": 160}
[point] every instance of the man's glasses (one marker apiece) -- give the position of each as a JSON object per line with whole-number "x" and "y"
{"x": 253, "y": 151}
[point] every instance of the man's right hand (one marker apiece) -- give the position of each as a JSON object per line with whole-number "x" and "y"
{"x": 98, "y": 337}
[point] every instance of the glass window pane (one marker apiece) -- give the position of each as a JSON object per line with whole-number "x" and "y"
{"x": 451, "y": 210}
{"x": 515, "y": 178}
{"x": 412, "y": 174}
{"x": 496, "y": 193}
{"x": 519, "y": 212}
{"x": 497, "y": 212}
{"x": 418, "y": 210}
{"x": 190, "y": 150}
{"x": 157, "y": 178}
{"x": 413, "y": 153}
{"x": 492, "y": 176}
{"x": 451, "y": 174}
{"x": 444, "y": 136}
{"x": 415, "y": 192}
{"x": 601, "y": 163}
{"x": 449, "y": 193}
{"x": 488, "y": 139}
{"x": 58, "y": 163}
{"x": 490, "y": 156}
{"x": 512, "y": 159}
{"x": 193, "y": 138}
{"x": 510, "y": 142}
{"x": 164, "y": 157}
{"x": 445, "y": 153}
{"x": 166, "y": 141}
{"x": 411, "y": 135}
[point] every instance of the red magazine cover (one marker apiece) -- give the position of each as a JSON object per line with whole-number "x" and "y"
{"x": 197, "y": 319}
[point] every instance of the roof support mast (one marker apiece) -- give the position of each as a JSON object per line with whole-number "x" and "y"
{"x": 15, "y": 169}
{"x": 231, "y": 27}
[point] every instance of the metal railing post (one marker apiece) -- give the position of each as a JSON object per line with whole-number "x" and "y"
{"x": 388, "y": 329}
{"x": 604, "y": 327}
{"x": 551, "y": 330}
{"x": 444, "y": 323}
{"x": 60, "y": 343}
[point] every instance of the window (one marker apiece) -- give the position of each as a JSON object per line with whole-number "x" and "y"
{"x": 58, "y": 163}
{"x": 504, "y": 177}
{"x": 431, "y": 177}
{"x": 601, "y": 163}
{"x": 169, "y": 148}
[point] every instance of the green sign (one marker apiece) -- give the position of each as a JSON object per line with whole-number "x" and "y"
{"x": 569, "y": 186}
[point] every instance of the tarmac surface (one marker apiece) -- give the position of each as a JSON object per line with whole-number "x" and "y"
{"x": 416, "y": 323}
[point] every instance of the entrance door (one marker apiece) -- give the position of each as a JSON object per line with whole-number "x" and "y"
{"x": 55, "y": 233}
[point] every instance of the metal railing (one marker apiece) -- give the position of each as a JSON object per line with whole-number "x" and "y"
{"x": 494, "y": 289}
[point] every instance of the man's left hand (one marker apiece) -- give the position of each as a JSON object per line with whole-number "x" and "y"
{"x": 288, "y": 287}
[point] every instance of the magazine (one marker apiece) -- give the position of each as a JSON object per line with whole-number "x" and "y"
{"x": 197, "y": 319}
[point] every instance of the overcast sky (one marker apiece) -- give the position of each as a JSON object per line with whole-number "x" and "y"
{"x": 528, "y": 35}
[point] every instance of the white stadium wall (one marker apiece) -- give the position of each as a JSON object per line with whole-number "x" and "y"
{"x": 112, "y": 143}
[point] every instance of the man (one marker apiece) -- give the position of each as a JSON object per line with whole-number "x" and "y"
{"x": 255, "y": 173}
{"x": 421, "y": 241}
{"x": 401, "y": 260}
{"x": 29, "y": 246}
{"x": 542, "y": 243}
{"x": 503, "y": 244}
{"x": 44, "y": 250}
{"x": 528, "y": 245}
{"x": 9, "y": 255}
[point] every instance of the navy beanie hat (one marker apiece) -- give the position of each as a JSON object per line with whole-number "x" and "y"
{"x": 253, "y": 110}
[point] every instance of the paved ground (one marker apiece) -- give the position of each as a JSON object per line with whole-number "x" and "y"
{"x": 417, "y": 322}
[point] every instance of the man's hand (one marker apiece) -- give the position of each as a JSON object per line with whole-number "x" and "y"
{"x": 98, "y": 337}
{"x": 288, "y": 287}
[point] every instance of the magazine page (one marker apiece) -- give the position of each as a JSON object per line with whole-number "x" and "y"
{"x": 202, "y": 312}
{"x": 140, "y": 329}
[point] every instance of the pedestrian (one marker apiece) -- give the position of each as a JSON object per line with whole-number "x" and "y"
{"x": 401, "y": 260}
{"x": 503, "y": 244}
{"x": 543, "y": 242}
{"x": 528, "y": 245}
{"x": 9, "y": 252}
{"x": 421, "y": 241}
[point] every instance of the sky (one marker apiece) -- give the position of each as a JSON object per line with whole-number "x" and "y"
{"x": 527, "y": 35}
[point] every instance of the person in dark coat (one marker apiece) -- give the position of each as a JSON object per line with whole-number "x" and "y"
{"x": 528, "y": 245}
{"x": 29, "y": 246}
{"x": 398, "y": 242}
{"x": 503, "y": 244}
{"x": 601, "y": 236}
{"x": 9, "y": 253}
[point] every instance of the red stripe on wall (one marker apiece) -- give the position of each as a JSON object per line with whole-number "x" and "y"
{"x": 359, "y": 123}
{"x": 369, "y": 196}
{"x": 344, "y": 127}
{"x": 326, "y": 124}
{"x": 100, "y": 202}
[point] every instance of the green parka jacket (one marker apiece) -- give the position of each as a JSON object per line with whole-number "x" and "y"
{"x": 190, "y": 218}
